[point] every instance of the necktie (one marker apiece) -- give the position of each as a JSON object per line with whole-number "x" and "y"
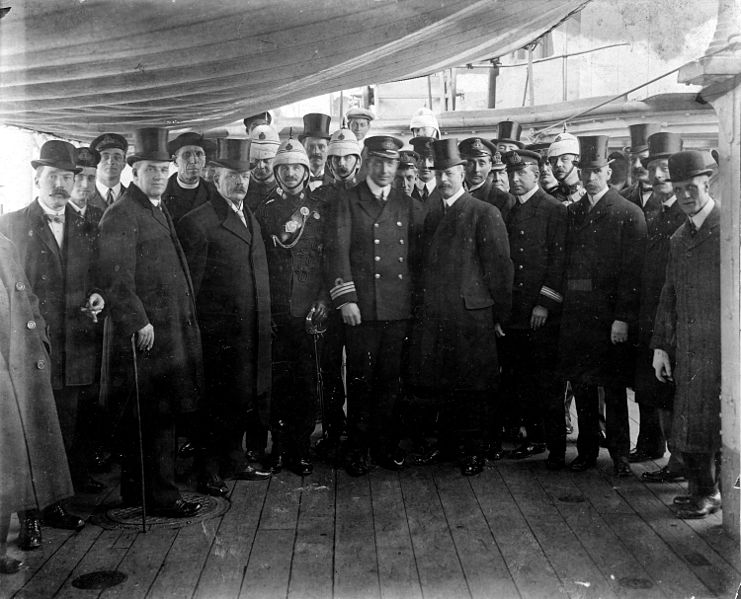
{"x": 109, "y": 197}
{"x": 445, "y": 206}
{"x": 693, "y": 228}
{"x": 426, "y": 194}
{"x": 55, "y": 218}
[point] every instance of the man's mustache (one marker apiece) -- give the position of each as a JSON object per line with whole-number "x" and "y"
{"x": 60, "y": 191}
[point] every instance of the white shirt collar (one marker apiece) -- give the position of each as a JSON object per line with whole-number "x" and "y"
{"x": 524, "y": 198}
{"x": 376, "y": 190}
{"x": 80, "y": 211}
{"x": 451, "y": 200}
{"x": 669, "y": 202}
{"x": 187, "y": 185}
{"x": 236, "y": 208}
{"x": 597, "y": 197}
{"x": 475, "y": 187}
{"x": 430, "y": 185}
{"x": 48, "y": 210}
{"x": 700, "y": 217}
{"x": 103, "y": 189}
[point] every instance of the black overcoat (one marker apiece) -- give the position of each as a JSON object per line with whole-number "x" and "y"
{"x": 490, "y": 194}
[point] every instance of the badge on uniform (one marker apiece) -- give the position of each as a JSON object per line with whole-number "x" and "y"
{"x": 293, "y": 226}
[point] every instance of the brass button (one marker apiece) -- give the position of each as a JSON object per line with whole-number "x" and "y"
{"x": 31, "y": 325}
{"x": 401, "y": 258}
{"x": 522, "y": 250}
{"x": 44, "y": 277}
{"x": 41, "y": 364}
{"x": 20, "y": 286}
{"x": 376, "y": 241}
{"x": 401, "y": 276}
{"x": 376, "y": 225}
{"x": 520, "y": 267}
{"x": 378, "y": 258}
{"x": 399, "y": 223}
{"x": 401, "y": 241}
{"x": 378, "y": 275}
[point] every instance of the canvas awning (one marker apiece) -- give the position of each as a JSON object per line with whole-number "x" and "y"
{"x": 79, "y": 67}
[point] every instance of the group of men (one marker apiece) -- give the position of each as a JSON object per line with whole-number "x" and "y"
{"x": 465, "y": 282}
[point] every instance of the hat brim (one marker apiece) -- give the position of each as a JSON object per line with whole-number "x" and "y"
{"x": 504, "y": 140}
{"x": 153, "y": 157}
{"x": 319, "y": 134}
{"x": 636, "y": 149}
{"x": 64, "y": 166}
{"x": 235, "y": 165}
{"x": 392, "y": 154}
{"x": 691, "y": 174}
{"x": 441, "y": 166}
{"x": 645, "y": 161}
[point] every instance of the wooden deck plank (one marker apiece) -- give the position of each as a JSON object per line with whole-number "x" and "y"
{"x": 531, "y": 570}
{"x": 312, "y": 572}
{"x": 397, "y": 567}
{"x": 483, "y": 564}
{"x": 355, "y": 565}
{"x": 281, "y": 502}
{"x": 440, "y": 571}
{"x": 268, "y": 570}
{"x": 223, "y": 572}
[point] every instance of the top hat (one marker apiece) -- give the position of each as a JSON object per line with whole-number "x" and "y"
{"x": 516, "y": 160}
{"x": 191, "y": 138}
{"x": 343, "y": 143}
{"x": 57, "y": 154}
{"x": 264, "y": 118}
{"x": 87, "y": 157}
{"x": 108, "y": 141}
{"x": 233, "y": 154}
{"x": 690, "y": 163}
{"x": 509, "y": 132}
{"x": 423, "y": 146}
{"x": 384, "y": 146}
{"x": 360, "y": 113}
{"x": 475, "y": 147}
{"x": 593, "y": 151}
{"x": 445, "y": 154}
{"x": 639, "y": 135}
{"x": 662, "y": 145}
{"x": 316, "y": 124}
{"x": 150, "y": 143}
{"x": 408, "y": 159}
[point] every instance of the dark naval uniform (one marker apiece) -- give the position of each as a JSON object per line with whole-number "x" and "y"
{"x": 537, "y": 238}
{"x": 370, "y": 263}
{"x": 293, "y": 231}
{"x": 179, "y": 200}
{"x": 490, "y": 194}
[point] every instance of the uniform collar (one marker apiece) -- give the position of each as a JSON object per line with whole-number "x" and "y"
{"x": 524, "y": 198}
{"x": 376, "y": 190}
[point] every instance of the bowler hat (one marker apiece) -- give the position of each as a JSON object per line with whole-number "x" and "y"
{"x": 662, "y": 145}
{"x": 423, "y": 146}
{"x": 316, "y": 124}
{"x": 87, "y": 157}
{"x": 233, "y": 154}
{"x": 360, "y": 113}
{"x": 150, "y": 143}
{"x": 384, "y": 146}
{"x": 593, "y": 151}
{"x": 639, "y": 134}
{"x": 445, "y": 154}
{"x": 690, "y": 163}
{"x": 516, "y": 160}
{"x": 475, "y": 147}
{"x": 108, "y": 141}
{"x": 191, "y": 138}
{"x": 509, "y": 132}
{"x": 57, "y": 154}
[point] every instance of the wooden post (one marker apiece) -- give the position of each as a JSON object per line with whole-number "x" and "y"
{"x": 719, "y": 72}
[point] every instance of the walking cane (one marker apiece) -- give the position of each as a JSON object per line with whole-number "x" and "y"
{"x": 139, "y": 431}
{"x": 316, "y": 327}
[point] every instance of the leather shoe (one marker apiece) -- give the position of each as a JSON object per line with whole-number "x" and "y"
{"x": 214, "y": 486}
{"x": 472, "y": 465}
{"x": 495, "y": 453}
{"x": 29, "y": 537}
{"x": 639, "y": 455}
{"x": 8, "y": 565}
{"x": 300, "y": 466}
{"x": 392, "y": 461}
{"x": 252, "y": 473}
{"x": 555, "y": 462}
{"x": 662, "y": 475}
{"x": 525, "y": 450}
{"x": 253, "y": 456}
{"x": 90, "y": 486}
{"x": 276, "y": 463}
{"x": 179, "y": 509}
{"x": 580, "y": 464}
{"x": 702, "y": 506}
{"x": 621, "y": 468}
{"x": 57, "y": 517}
{"x": 684, "y": 500}
{"x": 356, "y": 465}
{"x": 187, "y": 450}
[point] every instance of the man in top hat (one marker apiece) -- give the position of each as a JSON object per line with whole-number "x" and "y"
{"x": 292, "y": 222}
{"x": 359, "y": 122}
{"x": 537, "y": 237}
{"x": 640, "y": 189}
{"x": 112, "y": 149}
{"x": 315, "y": 139}
{"x": 478, "y": 154}
{"x": 563, "y": 156}
{"x": 264, "y": 144}
{"x": 686, "y": 339}
{"x": 260, "y": 119}
{"x": 370, "y": 258}
{"x": 662, "y": 220}
{"x": 605, "y": 248}
{"x": 508, "y": 136}
{"x": 424, "y": 124}
{"x": 228, "y": 266}
{"x": 406, "y": 173}
{"x": 426, "y": 182}
{"x": 154, "y": 326}
{"x": 56, "y": 245}
{"x": 467, "y": 298}
{"x": 83, "y": 190}
{"x": 186, "y": 188}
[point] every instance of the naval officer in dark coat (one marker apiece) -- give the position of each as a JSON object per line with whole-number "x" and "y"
{"x": 466, "y": 282}
{"x": 479, "y": 154}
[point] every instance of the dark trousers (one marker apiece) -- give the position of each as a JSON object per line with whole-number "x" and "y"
{"x": 464, "y": 416}
{"x": 374, "y": 353}
{"x": 650, "y": 437}
{"x": 75, "y": 410}
{"x": 617, "y": 427}
{"x": 675, "y": 463}
{"x": 700, "y": 469}
{"x": 530, "y": 382}
{"x": 333, "y": 342}
{"x": 293, "y": 406}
